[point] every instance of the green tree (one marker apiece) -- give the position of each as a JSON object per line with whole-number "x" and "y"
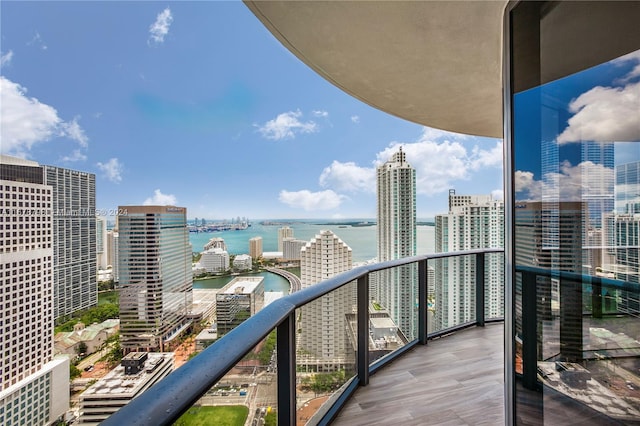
{"x": 81, "y": 348}
{"x": 74, "y": 372}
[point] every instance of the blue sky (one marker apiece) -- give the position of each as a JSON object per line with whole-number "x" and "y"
{"x": 196, "y": 104}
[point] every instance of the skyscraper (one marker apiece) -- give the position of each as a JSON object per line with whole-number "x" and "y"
{"x": 101, "y": 242}
{"x": 33, "y": 385}
{"x": 155, "y": 275}
{"x": 473, "y": 222}
{"x": 255, "y": 247}
{"x": 284, "y": 232}
{"x": 74, "y": 239}
{"x": 396, "y": 289}
{"x": 323, "y": 322}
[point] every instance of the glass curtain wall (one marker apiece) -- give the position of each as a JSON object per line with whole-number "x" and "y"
{"x": 574, "y": 129}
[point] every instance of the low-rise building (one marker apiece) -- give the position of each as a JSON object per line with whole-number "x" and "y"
{"x": 137, "y": 372}
{"x": 242, "y": 262}
{"x": 241, "y": 298}
{"x": 93, "y": 336}
{"x": 215, "y": 260}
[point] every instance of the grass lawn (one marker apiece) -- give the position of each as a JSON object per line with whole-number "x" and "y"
{"x": 222, "y": 415}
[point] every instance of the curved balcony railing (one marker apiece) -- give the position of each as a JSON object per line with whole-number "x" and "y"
{"x": 166, "y": 401}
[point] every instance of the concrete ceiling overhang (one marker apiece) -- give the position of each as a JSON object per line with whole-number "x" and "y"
{"x": 436, "y": 63}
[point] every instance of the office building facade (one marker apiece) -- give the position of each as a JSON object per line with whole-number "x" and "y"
{"x": 240, "y": 299}
{"x": 74, "y": 236}
{"x": 396, "y": 289}
{"x": 156, "y": 281}
{"x": 33, "y": 385}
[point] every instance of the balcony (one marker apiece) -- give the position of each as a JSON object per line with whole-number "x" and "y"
{"x": 423, "y": 366}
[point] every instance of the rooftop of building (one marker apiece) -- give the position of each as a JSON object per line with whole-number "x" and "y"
{"x": 242, "y": 285}
{"x": 116, "y": 383}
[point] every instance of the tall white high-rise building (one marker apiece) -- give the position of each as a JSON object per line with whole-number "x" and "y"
{"x": 397, "y": 289}
{"x": 75, "y": 276}
{"x": 323, "y": 323}
{"x": 284, "y": 232}
{"x": 113, "y": 253}
{"x": 101, "y": 242}
{"x": 34, "y": 387}
{"x": 156, "y": 282}
{"x": 473, "y": 222}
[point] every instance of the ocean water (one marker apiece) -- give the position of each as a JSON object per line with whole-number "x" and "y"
{"x": 361, "y": 239}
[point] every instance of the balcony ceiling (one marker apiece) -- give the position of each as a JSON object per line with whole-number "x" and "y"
{"x": 436, "y": 63}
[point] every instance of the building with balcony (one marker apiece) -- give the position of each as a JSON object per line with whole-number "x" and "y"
{"x": 323, "y": 343}
{"x": 155, "y": 276}
{"x": 473, "y": 222}
{"x": 542, "y": 75}
{"x": 33, "y": 385}
{"x": 255, "y": 247}
{"x": 214, "y": 260}
{"x": 284, "y": 232}
{"x": 291, "y": 248}
{"x": 242, "y": 262}
{"x": 112, "y": 253}
{"x": 215, "y": 242}
{"x": 397, "y": 289}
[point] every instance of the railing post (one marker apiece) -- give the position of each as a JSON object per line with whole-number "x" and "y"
{"x": 363, "y": 330}
{"x": 596, "y": 297}
{"x": 422, "y": 302}
{"x": 286, "y": 354}
{"x": 480, "y": 289}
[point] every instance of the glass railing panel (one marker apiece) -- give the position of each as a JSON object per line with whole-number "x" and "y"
{"x": 587, "y": 346}
{"x": 245, "y": 395}
{"x": 326, "y": 351}
{"x": 393, "y": 310}
{"x": 494, "y": 286}
{"x": 454, "y": 301}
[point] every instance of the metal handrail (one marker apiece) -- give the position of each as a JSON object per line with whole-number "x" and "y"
{"x": 168, "y": 399}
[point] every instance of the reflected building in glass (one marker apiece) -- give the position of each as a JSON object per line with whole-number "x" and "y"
{"x": 572, "y": 191}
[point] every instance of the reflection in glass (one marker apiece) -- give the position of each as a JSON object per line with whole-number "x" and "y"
{"x": 577, "y": 228}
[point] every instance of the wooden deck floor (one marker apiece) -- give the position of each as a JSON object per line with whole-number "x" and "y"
{"x": 455, "y": 380}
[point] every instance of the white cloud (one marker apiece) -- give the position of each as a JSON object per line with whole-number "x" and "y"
{"x": 497, "y": 194}
{"x": 112, "y": 169}
{"x": 604, "y": 114}
{"x": 311, "y": 201}
{"x": 438, "y": 164}
{"x": 76, "y": 155}
{"x": 37, "y": 41}
{"x": 160, "y": 28}
{"x": 319, "y": 113}
{"x": 355, "y": 119}
{"x": 286, "y": 126}
{"x": 569, "y": 183}
{"x": 6, "y": 58}
{"x": 25, "y": 121}
{"x": 160, "y": 199}
{"x": 348, "y": 177}
{"x": 73, "y": 130}
{"x": 429, "y": 133}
